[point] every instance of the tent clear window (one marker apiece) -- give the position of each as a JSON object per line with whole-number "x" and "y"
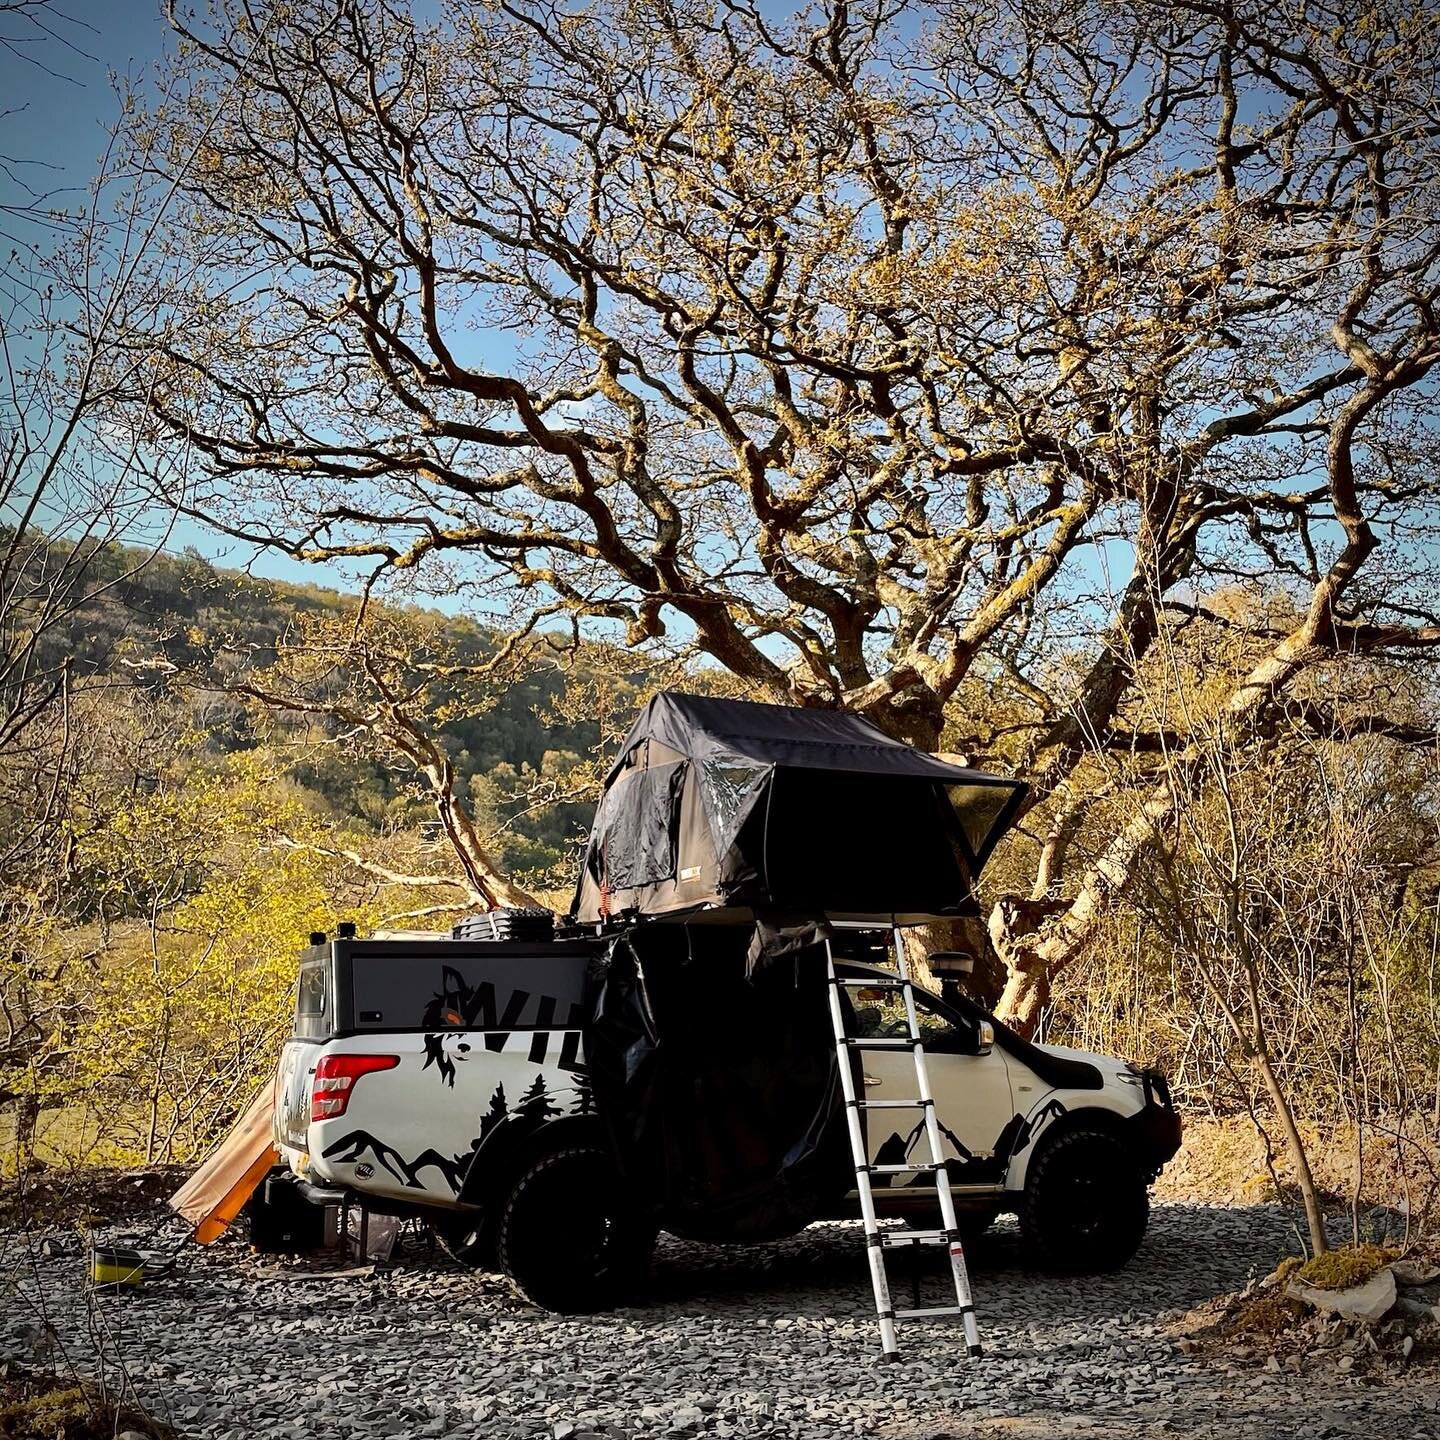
{"x": 729, "y": 790}
{"x": 639, "y": 843}
{"x": 979, "y": 807}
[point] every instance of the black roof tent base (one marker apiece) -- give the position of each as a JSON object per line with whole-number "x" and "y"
{"x": 747, "y": 915}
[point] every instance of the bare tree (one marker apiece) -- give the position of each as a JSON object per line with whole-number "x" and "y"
{"x": 1271, "y": 900}
{"x": 852, "y": 350}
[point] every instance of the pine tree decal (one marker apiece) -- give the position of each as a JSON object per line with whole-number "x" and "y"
{"x": 535, "y": 1103}
{"x": 584, "y": 1095}
{"x": 496, "y": 1113}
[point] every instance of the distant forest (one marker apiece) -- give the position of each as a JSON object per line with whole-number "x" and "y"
{"x": 147, "y": 620}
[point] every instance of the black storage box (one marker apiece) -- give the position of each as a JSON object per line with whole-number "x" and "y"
{"x": 284, "y": 1222}
{"x": 531, "y": 926}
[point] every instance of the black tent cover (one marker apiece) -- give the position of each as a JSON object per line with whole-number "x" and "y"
{"x": 727, "y": 809}
{"x": 719, "y": 1084}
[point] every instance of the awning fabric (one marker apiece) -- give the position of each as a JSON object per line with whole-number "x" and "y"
{"x": 216, "y": 1193}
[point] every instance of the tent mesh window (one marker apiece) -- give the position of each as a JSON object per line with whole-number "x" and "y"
{"x": 641, "y": 840}
{"x": 979, "y": 809}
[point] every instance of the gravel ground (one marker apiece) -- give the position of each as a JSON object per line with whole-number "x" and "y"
{"x": 774, "y": 1340}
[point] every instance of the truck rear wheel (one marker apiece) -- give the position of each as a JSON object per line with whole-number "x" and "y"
{"x": 568, "y": 1237}
{"x": 1086, "y": 1204}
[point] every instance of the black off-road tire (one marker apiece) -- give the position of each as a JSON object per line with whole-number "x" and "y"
{"x": 569, "y": 1238}
{"x": 1086, "y": 1203}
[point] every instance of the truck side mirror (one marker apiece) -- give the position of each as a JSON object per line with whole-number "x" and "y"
{"x": 986, "y": 1038}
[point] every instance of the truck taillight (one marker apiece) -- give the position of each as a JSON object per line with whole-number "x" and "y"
{"x": 335, "y": 1078}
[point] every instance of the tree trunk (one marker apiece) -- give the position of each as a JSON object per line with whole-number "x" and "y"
{"x": 157, "y": 1087}
{"x": 1024, "y": 1000}
{"x": 489, "y": 883}
{"x": 1295, "y": 1144}
{"x": 1015, "y": 939}
{"x": 27, "y": 1121}
{"x": 1034, "y": 957}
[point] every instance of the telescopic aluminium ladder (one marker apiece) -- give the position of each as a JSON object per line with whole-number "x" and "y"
{"x": 878, "y": 1241}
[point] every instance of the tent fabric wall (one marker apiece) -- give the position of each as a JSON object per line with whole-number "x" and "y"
{"x": 719, "y": 1087}
{"x": 746, "y": 809}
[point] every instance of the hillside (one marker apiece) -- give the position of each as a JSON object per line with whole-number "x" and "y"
{"x": 182, "y": 610}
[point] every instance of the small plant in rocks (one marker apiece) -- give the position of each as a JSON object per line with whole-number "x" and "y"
{"x": 1344, "y": 1268}
{"x": 35, "y": 1404}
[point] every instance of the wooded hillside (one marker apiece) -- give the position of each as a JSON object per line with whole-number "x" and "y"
{"x": 155, "y": 618}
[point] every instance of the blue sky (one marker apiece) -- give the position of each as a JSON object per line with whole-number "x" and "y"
{"x": 58, "y": 81}
{"x": 58, "y": 94}
{"x": 58, "y": 86}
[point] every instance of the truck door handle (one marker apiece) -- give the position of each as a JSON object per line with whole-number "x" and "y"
{"x": 871, "y": 1079}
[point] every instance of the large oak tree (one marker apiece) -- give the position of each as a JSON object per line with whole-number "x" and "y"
{"x": 934, "y": 362}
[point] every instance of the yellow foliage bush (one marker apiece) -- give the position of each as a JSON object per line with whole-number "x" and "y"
{"x": 205, "y": 889}
{"x": 53, "y": 1414}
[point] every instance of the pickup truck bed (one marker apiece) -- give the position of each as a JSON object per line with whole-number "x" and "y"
{"x": 407, "y": 1055}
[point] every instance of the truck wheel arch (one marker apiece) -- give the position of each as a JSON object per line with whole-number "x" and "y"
{"x": 1081, "y": 1117}
{"x": 516, "y": 1143}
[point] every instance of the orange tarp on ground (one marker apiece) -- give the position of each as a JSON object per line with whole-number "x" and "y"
{"x": 215, "y": 1194}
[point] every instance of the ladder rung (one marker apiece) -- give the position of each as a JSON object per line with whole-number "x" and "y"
{"x": 900, "y": 1239}
{"x": 879, "y": 983}
{"x": 886, "y": 1042}
{"x": 893, "y": 1104}
{"x": 935, "y": 1310}
{"x": 906, "y": 1169}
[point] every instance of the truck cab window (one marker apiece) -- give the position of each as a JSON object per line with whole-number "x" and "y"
{"x": 311, "y": 1021}
{"x": 880, "y": 1014}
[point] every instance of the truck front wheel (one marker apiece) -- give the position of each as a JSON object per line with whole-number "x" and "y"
{"x": 569, "y": 1238}
{"x": 1086, "y": 1204}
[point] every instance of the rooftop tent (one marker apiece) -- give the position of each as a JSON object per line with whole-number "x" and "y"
{"x": 724, "y": 808}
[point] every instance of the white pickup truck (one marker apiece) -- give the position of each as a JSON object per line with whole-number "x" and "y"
{"x": 447, "y": 1079}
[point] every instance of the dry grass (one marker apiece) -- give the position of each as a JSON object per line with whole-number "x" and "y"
{"x": 1223, "y": 1162}
{"x": 38, "y": 1406}
{"x": 76, "y": 1195}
